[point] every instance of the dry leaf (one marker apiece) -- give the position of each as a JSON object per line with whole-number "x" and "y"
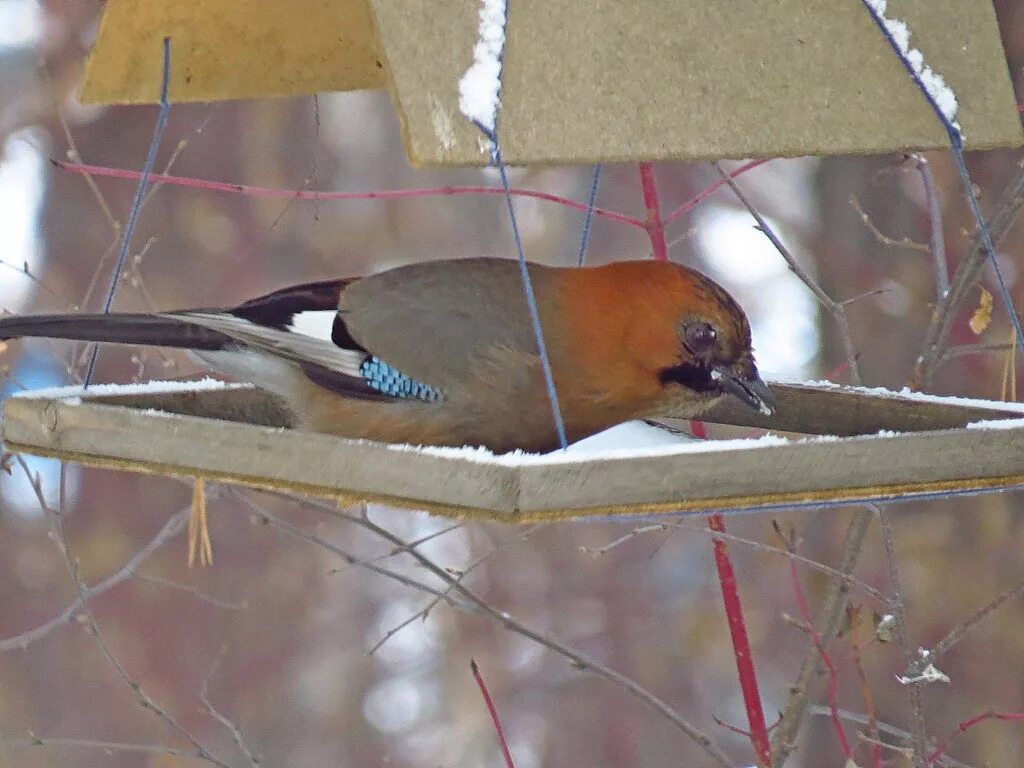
{"x": 983, "y": 314}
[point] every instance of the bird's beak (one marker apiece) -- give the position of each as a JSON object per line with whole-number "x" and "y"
{"x": 752, "y": 391}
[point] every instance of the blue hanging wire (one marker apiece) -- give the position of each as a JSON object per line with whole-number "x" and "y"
{"x": 531, "y": 298}
{"x": 589, "y": 218}
{"x": 147, "y": 169}
{"x": 956, "y": 141}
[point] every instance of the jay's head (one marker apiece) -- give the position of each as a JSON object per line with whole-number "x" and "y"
{"x": 673, "y": 323}
{"x": 714, "y": 353}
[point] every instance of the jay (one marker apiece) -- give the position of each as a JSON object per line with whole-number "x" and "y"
{"x": 444, "y": 353}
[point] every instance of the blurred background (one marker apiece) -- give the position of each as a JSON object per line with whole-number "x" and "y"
{"x": 290, "y": 626}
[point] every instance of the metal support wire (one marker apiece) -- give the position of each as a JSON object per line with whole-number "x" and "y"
{"x": 524, "y": 272}
{"x": 956, "y": 141}
{"x": 129, "y": 230}
{"x": 531, "y": 297}
{"x": 588, "y": 219}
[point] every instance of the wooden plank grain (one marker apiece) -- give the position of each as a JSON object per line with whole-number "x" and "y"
{"x": 279, "y": 457}
{"x": 124, "y": 431}
{"x": 844, "y": 411}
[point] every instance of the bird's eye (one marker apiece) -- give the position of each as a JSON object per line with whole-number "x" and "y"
{"x": 699, "y": 337}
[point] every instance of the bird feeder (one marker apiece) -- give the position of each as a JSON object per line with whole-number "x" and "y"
{"x": 580, "y": 83}
{"x": 881, "y": 446}
{"x": 585, "y": 82}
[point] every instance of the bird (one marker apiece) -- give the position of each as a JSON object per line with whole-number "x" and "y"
{"x": 445, "y": 353}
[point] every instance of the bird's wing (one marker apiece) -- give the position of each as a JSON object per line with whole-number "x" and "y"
{"x": 288, "y": 344}
{"x": 301, "y": 324}
{"x": 414, "y": 331}
{"x": 435, "y": 321}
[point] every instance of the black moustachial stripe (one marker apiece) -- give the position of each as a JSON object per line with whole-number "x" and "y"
{"x": 692, "y": 376}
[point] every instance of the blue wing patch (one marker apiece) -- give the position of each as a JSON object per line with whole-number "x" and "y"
{"x": 389, "y": 381}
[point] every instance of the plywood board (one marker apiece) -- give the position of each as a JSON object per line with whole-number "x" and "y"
{"x": 222, "y": 49}
{"x": 149, "y": 433}
{"x": 691, "y": 80}
{"x": 586, "y": 81}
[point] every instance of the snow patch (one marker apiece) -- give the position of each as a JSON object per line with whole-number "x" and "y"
{"x": 145, "y": 388}
{"x": 997, "y": 424}
{"x": 480, "y": 86}
{"x": 932, "y": 81}
{"x": 908, "y": 394}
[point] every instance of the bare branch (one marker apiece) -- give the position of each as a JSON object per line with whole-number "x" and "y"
{"x": 830, "y": 305}
{"x": 1011, "y": 201}
{"x": 470, "y": 602}
{"x": 811, "y": 669}
{"x": 197, "y": 593}
{"x": 174, "y": 526}
{"x": 947, "y": 643}
{"x": 919, "y": 735}
{"x": 236, "y": 733}
{"x": 143, "y": 698}
{"x": 891, "y": 242}
{"x": 937, "y": 237}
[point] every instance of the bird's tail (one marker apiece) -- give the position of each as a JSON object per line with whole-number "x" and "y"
{"x": 118, "y": 328}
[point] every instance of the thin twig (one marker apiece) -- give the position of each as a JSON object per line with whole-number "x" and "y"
{"x": 143, "y": 698}
{"x": 174, "y": 525}
{"x": 1008, "y": 208}
{"x": 831, "y": 622}
{"x": 232, "y": 728}
{"x": 973, "y": 349}
{"x": 653, "y": 223}
{"x": 830, "y": 305}
{"x": 692, "y": 203}
{"x": 324, "y": 196}
{"x": 823, "y": 653}
{"x": 919, "y": 738}
{"x": 269, "y": 519}
{"x": 963, "y": 727}
{"x": 493, "y": 712}
{"x": 759, "y": 546}
{"x": 470, "y": 602}
{"x": 105, "y": 746}
{"x": 818, "y": 710}
{"x": 936, "y": 237}
{"x": 869, "y": 700}
{"x": 881, "y": 237}
{"x": 947, "y": 643}
{"x": 198, "y": 594}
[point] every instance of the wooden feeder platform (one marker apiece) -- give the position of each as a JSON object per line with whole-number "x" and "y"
{"x": 871, "y": 445}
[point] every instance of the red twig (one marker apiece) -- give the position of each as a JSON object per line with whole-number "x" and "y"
{"x": 726, "y": 575}
{"x": 494, "y": 713}
{"x": 741, "y": 647}
{"x": 826, "y": 659}
{"x": 654, "y": 225}
{"x": 970, "y": 723}
{"x": 692, "y": 203}
{"x": 307, "y": 194}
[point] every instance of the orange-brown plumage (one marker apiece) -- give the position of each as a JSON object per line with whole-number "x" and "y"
{"x": 458, "y": 352}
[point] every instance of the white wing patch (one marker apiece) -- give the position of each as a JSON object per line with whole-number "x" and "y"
{"x": 316, "y": 323}
{"x": 297, "y": 347}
